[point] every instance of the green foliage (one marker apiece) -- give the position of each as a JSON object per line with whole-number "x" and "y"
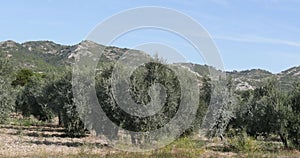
{"x": 294, "y": 117}
{"x": 31, "y": 100}
{"x": 243, "y": 143}
{"x": 30, "y": 121}
{"x": 22, "y": 77}
{"x": 60, "y": 96}
{"x": 152, "y": 84}
{"x": 46, "y": 96}
{"x": 140, "y": 81}
{"x": 145, "y": 77}
{"x": 204, "y": 101}
{"x": 181, "y": 148}
{"x": 40, "y": 56}
{"x": 6, "y": 93}
{"x": 223, "y": 105}
{"x": 73, "y": 124}
{"x": 263, "y": 112}
{"x": 105, "y": 98}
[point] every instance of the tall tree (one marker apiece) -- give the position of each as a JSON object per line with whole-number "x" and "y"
{"x": 223, "y": 104}
{"x": 294, "y": 117}
{"x": 6, "y": 93}
{"x": 61, "y": 100}
{"x": 31, "y": 100}
{"x": 263, "y": 111}
{"x": 204, "y": 101}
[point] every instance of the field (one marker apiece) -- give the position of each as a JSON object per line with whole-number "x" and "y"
{"x": 29, "y": 138}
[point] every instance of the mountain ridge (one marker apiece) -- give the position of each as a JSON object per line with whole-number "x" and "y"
{"x": 43, "y": 56}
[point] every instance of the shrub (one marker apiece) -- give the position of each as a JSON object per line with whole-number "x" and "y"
{"x": 244, "y": 143}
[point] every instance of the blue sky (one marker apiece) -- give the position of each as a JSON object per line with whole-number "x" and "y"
{"x": 249, "y": 34}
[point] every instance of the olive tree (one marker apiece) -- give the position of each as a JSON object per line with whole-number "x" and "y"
{"x": 61, "y": 101}
{"x": 31, "y": 100}
{"x": 263, "y": 112}
{"x": 294, "y": 116}
{"x": 223, "y": 105}
{"x": 6, "y": 93}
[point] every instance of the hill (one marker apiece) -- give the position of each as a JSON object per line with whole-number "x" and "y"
{"x": 47, "y": 56}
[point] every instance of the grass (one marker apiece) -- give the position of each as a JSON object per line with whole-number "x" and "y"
{"x": 26, "y": 122}
{"x": 245, "y": 146}
{"x": 181, "y": 148}
{"x": 243, "y": 143}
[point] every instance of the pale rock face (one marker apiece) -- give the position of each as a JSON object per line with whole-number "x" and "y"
{"x": 10, "y": 44}
{"x": 297, "y": 74}
{"x": 81, "y": 50}
{"x": 291, "y": 71}
{"x": 244, "y": 86}
{"x": 50, "y": 52}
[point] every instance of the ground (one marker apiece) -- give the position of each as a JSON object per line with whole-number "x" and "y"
{"x": 30, "y": 141}
{"x": 48, "y": 140}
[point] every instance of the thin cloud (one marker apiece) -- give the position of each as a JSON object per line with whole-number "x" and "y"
{"x": 257, "y": 39}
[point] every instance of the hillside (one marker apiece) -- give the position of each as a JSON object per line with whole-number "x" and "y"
{"x": 42, "y": 56}
{"x": 47, "y": 56}
{"x": 251, "y": 79}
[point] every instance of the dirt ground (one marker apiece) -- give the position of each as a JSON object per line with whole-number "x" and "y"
{"x": 27, "y": 141}
{"x": 50, "y": 141}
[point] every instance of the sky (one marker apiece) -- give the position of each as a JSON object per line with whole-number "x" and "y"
{"x": 249, "y": 34}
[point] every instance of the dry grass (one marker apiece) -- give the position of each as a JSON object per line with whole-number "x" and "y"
{"x": 23, "y": 139}
{"x": 44, "y": 141}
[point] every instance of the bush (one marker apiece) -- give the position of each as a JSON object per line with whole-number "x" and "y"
{"x": 244, "y": 143}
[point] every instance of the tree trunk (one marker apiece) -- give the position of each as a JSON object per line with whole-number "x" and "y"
{"x": 221, "y": 137}
{"x": 284, "y": 140}
{"x": 60, "y": 122}
{"x": 133, "y": 139}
